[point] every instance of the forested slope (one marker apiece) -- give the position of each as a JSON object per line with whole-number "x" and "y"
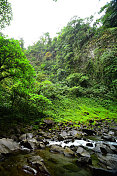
{"x": 81, "y": 60}
{"x": 67, "y": 76}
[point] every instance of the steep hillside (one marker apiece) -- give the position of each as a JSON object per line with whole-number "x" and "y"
{"x": 82, "y": 60}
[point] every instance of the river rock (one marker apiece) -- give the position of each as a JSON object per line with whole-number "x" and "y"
{"x": 55, "y": 148}
{"x": 82, "y": 152}
{"x": 60, "y": 137}
{"x": 38, "y": 163}
{"x": 89, "y": 144}
{"x": 108, "y": 138}
{"x": 22, "y": 137}
{"x": 26, "y": 136}
{"x": 41, "y": 145}
{"x": 8, "y": 146}
{"x": 102, "y": 148}
{"x": 88, "y": 131}
{"x": 109, "y": 160}
{"x": 48, "y": 122}
{"x": 29, "y": 143}
{"x": 29, "y": 170}
{"x": 82, "y": 161}
{"x": 102, "y": 172}
{"x": 68, "y": 152}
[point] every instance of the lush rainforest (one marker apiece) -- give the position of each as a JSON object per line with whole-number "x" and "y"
{"x": 71, "y": 77}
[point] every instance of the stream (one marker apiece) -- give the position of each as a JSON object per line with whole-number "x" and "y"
{"x": 61, "y": 151}
{"x": 56, "y": 163}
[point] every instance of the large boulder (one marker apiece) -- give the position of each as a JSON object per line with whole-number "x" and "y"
{"x": 82, "y": 152}
{"x": 68, "y": 152}
{"x": 108, "y": 161}
{"x": 56, "y": 149}
{"x": 82, "y": 161}
{"x": 27, "y": 141}
{"x": 8, "y": 146}
{"x": 38, "y": 164}
{"x": 102, "y": 172}
{"x": 102, "y": 148}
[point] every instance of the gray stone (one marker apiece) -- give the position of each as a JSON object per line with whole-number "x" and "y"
{"x": 81, "y": 161}
{"x": 102, "y": 148}
{"x": 82, "y": 152}
{"x": 8, "y": 146}
{"x": 55, "y": 148}
{"x": 29, "y": 143}
{"x": 38, "y": 164}
{"x": 109, "y": 160}
{"x": 68, "y": 152}
{"x": 103, "y": 172}
{"x": 29, "y": 170}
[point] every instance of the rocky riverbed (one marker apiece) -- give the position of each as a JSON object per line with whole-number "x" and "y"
{"x": 56, "y": 149}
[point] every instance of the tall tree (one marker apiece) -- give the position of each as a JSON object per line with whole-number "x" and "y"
{"x": 5, "y": 13}
{"x": 13, "y": 62}
{"x": 109, "y": 19}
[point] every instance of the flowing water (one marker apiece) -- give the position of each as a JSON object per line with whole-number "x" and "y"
{"x": 57, "y": 164}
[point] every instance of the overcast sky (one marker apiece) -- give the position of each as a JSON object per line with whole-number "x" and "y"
{"x": 33, "y": 18}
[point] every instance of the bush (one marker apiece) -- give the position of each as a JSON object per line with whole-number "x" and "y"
{"x": 77, "y": 79}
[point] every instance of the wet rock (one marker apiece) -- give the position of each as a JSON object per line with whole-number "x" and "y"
{"x": 8, "y": 146}
{"x": 60, "y": 138}
{"x": 109, "y": 160}
{"x": 82, "y": 161}
{"x": 111, "y": 133}
{"x": 41, "y": 145}
{"x": 22, "y": 137}
{"x": 47, "y": 135}
{"x": 102, "y": 172}
{"x": 89, "y": 144}
{"x": 113, "y": 148}
{"x": 114, "y": 129}
{"x": 26, "y": 136}
{"x": 89, "y": 132}
{"x": 38, "y": 164}
{"x": 55, "y": 148}
{"x": 29, "y": 170}
{"x": 35, "y": 160}
{"x": 109, "y": 138}
{"x": 48, "y": 122}
{"x": 68, "y": 152}
{"x": 64, "y": 133}
{"x": 29, "y": 143}
{"x": 82, "y": 152}
{"x": 29, "y": 135}
{"x": 102, "y": 148}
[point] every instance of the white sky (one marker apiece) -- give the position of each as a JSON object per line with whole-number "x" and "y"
{"x": 33, "y": 18}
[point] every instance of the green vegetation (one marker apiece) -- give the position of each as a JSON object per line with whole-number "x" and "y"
{"x": 72, "y": 77}
{"x": 83, "y": 110}
{"x": 5, "y": 13}
{"x": 109, "y": 19}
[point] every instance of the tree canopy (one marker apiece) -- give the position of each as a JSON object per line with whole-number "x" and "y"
{"x": 5, "y": 13}
{"x": 13, "y": 62}
{"x": 109, "y": 19}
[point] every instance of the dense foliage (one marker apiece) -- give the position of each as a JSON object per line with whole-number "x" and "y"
{"x": 5, "y": 13}
{"x": 109, "y": 19}
{"x": 17, "y": 80}
{"x": 43, "y": 80}
{"x": 81, "y": 60}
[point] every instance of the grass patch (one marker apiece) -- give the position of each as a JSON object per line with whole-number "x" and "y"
{"x": 83, "y": 110}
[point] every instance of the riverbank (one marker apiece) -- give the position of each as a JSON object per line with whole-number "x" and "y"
{"x": 62, "y": 149}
